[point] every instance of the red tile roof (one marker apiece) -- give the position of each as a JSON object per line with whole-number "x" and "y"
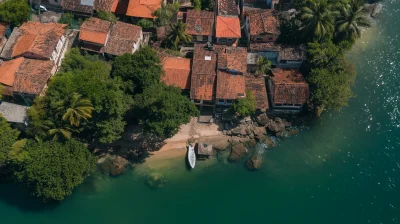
{"x": 289, "y": 87}
{"x": 256, "y": 84}
{"x": 233, "y": 58}
{"x": 76, "y": 6}
{"x": 263, "y": 22}
{"x": 199, "y": 22}
{"x": 143, "y": 8}
{"x": 230, "y": 86}
{"x": 122, "y": 38}
{"x": 227, "y": 8}
{"x": 203, "y": 73}
{"x": 32, "y": 76}
{"x": 8, "y": 69}
{"x": 105, "y": 5}
{"x": 227, "y": 27}
{"x": 95, "y": 30}
{"x": 177, "y": 72}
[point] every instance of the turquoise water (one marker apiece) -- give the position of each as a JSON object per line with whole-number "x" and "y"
{"x": 344, "y": 169}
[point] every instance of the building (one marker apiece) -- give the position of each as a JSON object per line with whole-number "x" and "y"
{"x": 143, "y": 8}
{"x": 177, "y": 72}
{"x": 227, "y": 30}
{"x": 232, "y": 67}
{"x": 14, "y": 114}
{"x": 87, "y": 7}
{"x": 94, "y": 34}
{"x": 281, "y": 55}
{"x": 262, "y": 26}
{"x": 44, "y": 41}
{"x": 256, "y": 84}
{"x": 289, "y": 90}
{"x": 124, "y": 38}
{"x": 227, "y": 8}
{"x": 200, "y": 24}
{"x": 26, "y": 77}
{"x": 4, "y": 33}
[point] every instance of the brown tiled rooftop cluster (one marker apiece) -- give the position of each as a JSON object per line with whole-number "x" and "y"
{"x": 289, "y": 86}
{"x": 230, "y": 86}
{"x": 227, "y": 8}
{"x": 122, "y": 38}
{"x": 233, "y": 58}
{"x": 95, "y": 30}
{"x": 199, "y": 22}
{"x": 263, "y": 22}
{"x": 105, "y": 5}
{"x": 177, "y": 71}
{"x": 76, "y": 6}
{"x": 256, "y": 84}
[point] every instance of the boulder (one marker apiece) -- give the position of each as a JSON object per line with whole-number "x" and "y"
{"x": 155, "y": 180}
{"x": 283, "y": 134}
{"x": 252, "y": 143}
{"x": 241, "y": 130}
{"x": 112, "y": 165}
{"x": 259, "y": 131}
{"x": 269, "y": 141}
{"x": 263, "y": 119}
{"x": 220, "y": 143}
{"x": 254, "y": 162}
{"x": 286, "y": 123}
{"x": 276, "y": 126}
{"x": 293, "y": 131}
{"x": 227, "y": 126}
{"x": 238, "y": 152}
{"x": 377, "y": 9}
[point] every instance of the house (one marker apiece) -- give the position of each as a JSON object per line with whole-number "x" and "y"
{"x": 124, "y": 38}
{"x": 177, "y": 72}
{"x": 262, "y": 26}
{"x": 226, "y": 8}
{"x": 200, "y": 24}
{"x": 143, "y": 8}
{"x": 26, "y": 77}
{"x": 227, "y": 30}
{"x": 4, "y": 33}
{"x": 289, "y": 90}
{"x": 232, "y": 67}
{"x": 256, "y": 84}
{"x": 43, "y": 41}
{"x": 94, "y": 34}
{"x": 281, "y": 55}
{"x": 86, "y": 7}
{"x": 204, "y": 77}
{"x": 14, "y": 114}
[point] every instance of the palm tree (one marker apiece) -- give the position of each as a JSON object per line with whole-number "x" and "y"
{"x": 58, "y": 131}
{"x": 351, "y": 18}
{"x": 75, "y": 108}
{"x": 178, "y": 34}
{"x": 317, "y": 19}
{"x": 263, "y": 65}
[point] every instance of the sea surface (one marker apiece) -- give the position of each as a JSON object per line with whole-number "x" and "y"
{"x": 344, "y": 168}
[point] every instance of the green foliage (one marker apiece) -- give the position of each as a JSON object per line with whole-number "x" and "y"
{"x": 145, "y": 23}
{"x": 322, "y": 54}
{"x": 166, "y": 13}
{"x": 8, "y": 136}
{"x": 14, "y": 12}
{"x": 207, "y": 4}
{"x": 263, "y": 65}
{"x": 162, "y": 109}
{"x": 1, "y": 91}
{"x": 317, "y": 19}
{"x": 109, "y": 16}
{"x": 197, "y": 4}
{"x": 75, "y": 108}
{"x": 51, "y": 170}
{"x": 67, "y": 18}
{"x": 139, "y": 70}
{"x": 245, "y": 106}
{"x": 178, "y": 35}
{"x": 90, "y": 78}
{"x": 290, "y": 32}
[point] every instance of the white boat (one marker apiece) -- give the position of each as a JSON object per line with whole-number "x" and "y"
{"x": 191, "y": 156}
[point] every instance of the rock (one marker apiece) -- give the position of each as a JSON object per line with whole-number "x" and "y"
{"x": 276, "y": 126}
{"x": 269, "y": 141}
{"x": 241, "y": 130}
{"x": 377, "y": 9}
{"x": 286, "y": 123}
{"x": 220, "y": 143}
{"x": 252, "y": 143}
{"x": 259, "y": 131}
{"x": 238, "y": 152}
{"x": 247, "y": 119}
{"x": 248, "y": 131}
{"x": 112, "y": 165}
{"x": 254, "y": 162}
{"x": 283, "y": 134}
{"x": 263, "y": 119}
{"x": 227, "y": 126}
{"x": 155, "y": 180}
{"x": 293, "y": 131}
{"x": 119, "y": 165}
{"x": 251, "y": 136}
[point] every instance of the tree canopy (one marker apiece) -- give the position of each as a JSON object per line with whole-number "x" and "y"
{"x": 109, "y": 16}
{"x": 8, "y": 136}
{"x": 178, "y": 35}
{"x": 166, "y": 13}
{"x": 51, "y": 170}
{"x": 14, "y": 12}
{"x": 245, "y": 106}
{"x": 162, "y": 109}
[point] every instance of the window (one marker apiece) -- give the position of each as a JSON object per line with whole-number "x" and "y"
{"x": 222, "y": 40}
{"x": 230, "y": 40}
{"x": 259, "y": 39}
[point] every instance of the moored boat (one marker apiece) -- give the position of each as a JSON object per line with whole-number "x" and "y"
{"x": 191, "y": 156}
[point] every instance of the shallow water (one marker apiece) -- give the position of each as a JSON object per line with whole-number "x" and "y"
{"x": 344, "y": 169}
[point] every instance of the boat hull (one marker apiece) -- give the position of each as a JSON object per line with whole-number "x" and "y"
{"x": 191, "y": 157}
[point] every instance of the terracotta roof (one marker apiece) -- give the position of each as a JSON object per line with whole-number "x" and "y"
{"x": 233, "y": 58}
{"x": 199, "y": 22}
{"x": 230, "y": 86}
{"x": 256, "y": 84}
{"x": 227, "y": 8}
{"x": 8, "y": 69}
{"x": 227, "y": 27}
{"x": 293, "y": 53}
{"x": 34, "y": 37}
{"x": 289, "y": 87}
{"x": 32, "y": 76}
{"x": 76, "y": 6}
{"x": 95, "y": 30}
{"x": 263, "y": 22}
{"x": 203, "y": 73}
{"x": 272, "y": 46}
{"x": 177, "y": 72}
{"x": 105, "y": 5}
{"x": 3, "y": 28}
{"x": 143, "y": 8}
{"x": 122, "y": 38}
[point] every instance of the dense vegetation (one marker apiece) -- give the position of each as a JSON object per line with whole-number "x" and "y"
{"x": 109, "y": 16}
{"x": 165, "y": 14}
{"x": 14, "y": 12}
{"x": 245, "y": 106}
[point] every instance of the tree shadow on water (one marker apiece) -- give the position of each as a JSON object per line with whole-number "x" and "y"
{"x": 11, "y": 195}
